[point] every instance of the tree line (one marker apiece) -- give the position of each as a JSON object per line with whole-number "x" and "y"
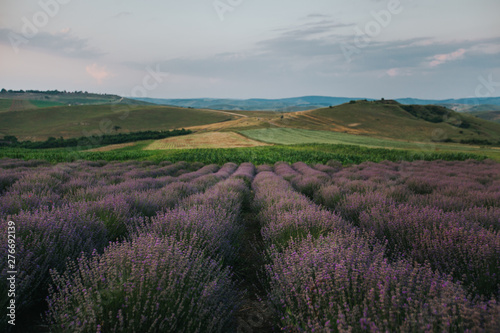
{"x": 91, "y": 141}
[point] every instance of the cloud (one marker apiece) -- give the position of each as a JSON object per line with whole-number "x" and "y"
{"x": 122, "y": 14}
{"x": 393, "y": 72}
{"x": 439, "y": 59}
{"x": 306, "y": 47}
{"x": 318, "y": 38}
{"x": 416, "y": 55}
{"x": 99, "y": 73}
{"x": 311, "y": 53}
{"x": 317, "y": 16}
{"x": 62, "y": 43}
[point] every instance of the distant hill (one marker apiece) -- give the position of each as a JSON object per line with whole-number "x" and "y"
{"x": 460, "y": 101}
{"x": 36, "y": 99}
{"x": 483, "y": 107}
{"x": 309, "y": 103}
{"x": 487, "y": 115}
{"x": 255, "y": 104}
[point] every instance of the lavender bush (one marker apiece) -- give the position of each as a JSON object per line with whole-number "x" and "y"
{"x": 342, "y": 283}
{"x": 149, "y": 284}
{"x": 325, "y": 275}
{"x": 450, "y": 242}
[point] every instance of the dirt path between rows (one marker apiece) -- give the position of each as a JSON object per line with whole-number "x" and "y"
{"x": 254, "y": 315}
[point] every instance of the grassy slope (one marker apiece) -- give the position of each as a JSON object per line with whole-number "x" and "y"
{"x": 8, "y": 104}
{"x": 293, "y": 136}
{"x": 76, "y": 121}
{"x": 388, "y": 121}
{"x": 45, "y": 104}
{"x": 5, "y": 104}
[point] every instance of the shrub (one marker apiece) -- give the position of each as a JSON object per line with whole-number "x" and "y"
{"x": 149, "y": 284}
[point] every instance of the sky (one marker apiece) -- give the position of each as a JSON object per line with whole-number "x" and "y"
{"x": 432, "y": 49}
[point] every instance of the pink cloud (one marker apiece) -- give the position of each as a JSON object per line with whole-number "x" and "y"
{"x": 442, "y": 58}
{"x": 98, "y": 73}
{"x": 392, "y": 72}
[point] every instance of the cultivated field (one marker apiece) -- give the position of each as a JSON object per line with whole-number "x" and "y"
{"x": 290, "y": 136}
{"x": 7, "y": 105}
{"x": 309, "y": 153}
{"x": 391, "y": 246}
{"x": 205, "y": 140}
{"x": 287, "y": 136}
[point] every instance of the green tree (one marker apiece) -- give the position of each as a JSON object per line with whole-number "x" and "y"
{"x": 10, "y": 138}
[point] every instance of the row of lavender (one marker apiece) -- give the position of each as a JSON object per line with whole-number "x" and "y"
{"x": 175, "y": 279}
{"x": 165, "y": 270}
{"x": 441, "y": 213}
{"x": 329, "y": 272}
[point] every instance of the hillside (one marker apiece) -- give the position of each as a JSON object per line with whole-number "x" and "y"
{"x": 385, "y": 124}
{"x": 8, "y": 104}
{"x": 30, "y": 99}
{"x": 487, "y": 115}
{"x": 389, "y": 119}
{"x": 76, "y": 121}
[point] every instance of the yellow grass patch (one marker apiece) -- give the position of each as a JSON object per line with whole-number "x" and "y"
{"x": 205, "y": 140}
{"x": 240, "y": 123}
{"x": 308, "y": 120}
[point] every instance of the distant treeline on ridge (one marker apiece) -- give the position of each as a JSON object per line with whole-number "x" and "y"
{"x": 50, "y": 92}
{"x": 91, "y": 141}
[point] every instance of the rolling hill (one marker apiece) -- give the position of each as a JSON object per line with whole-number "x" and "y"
{"x": 383, "y": 123}
{"x": 483, "y": 107}
{"x": 389, "y": 119}
{"x": 22, "y": 100}
{"x": 76, "y": 121}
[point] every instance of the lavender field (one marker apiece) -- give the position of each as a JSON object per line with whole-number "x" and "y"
{"x": 187, "y": 247}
